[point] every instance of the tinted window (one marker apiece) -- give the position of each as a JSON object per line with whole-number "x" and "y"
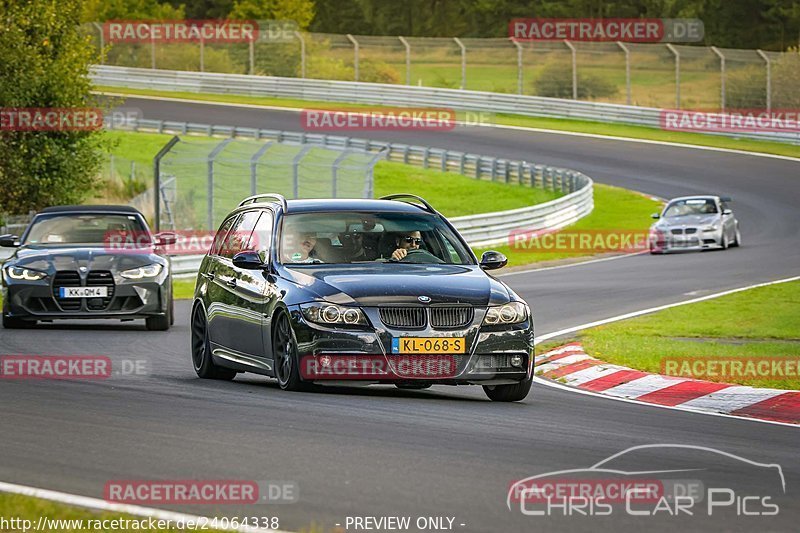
{"x": 222, "y": 232}
{"x": 692, "y": 206}
{"x": 261, "y": 239}
{"x": 352, "y": 237}
{"x": 240, "y": 233}
{"x": 86, "y": 229}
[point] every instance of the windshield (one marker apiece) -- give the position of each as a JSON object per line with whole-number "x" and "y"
{"x": 76, "y": 228}
{"x": 696, "y": 206}
{"x": 348, "y": 237}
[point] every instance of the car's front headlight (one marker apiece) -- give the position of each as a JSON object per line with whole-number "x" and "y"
{"x": 332, "y": 315}
{"x": 26, "y": 274}
{"x": 510, "y": 313}
{"x": 712, "y": 227}
{"x": 149, "y": 271}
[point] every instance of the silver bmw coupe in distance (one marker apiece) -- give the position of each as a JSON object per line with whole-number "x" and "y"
{"x": 695, "y": 223}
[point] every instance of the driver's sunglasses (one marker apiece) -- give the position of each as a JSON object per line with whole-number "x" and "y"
{"x": 411, "y": 240}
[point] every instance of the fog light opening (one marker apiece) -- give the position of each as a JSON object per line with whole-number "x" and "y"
{"x": 516, "y": 360}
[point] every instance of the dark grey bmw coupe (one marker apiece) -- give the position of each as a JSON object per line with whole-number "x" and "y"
{"x": 357, "y": 291}
{"x": 87, "y": 262}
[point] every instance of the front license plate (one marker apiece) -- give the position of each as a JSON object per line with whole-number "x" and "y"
{"x": 452, "y": 345}
{"x": 83, "y": 292}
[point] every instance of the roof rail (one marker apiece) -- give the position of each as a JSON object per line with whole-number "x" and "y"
{"x": 274, "y": 196}
{"x": 428, "y": 207}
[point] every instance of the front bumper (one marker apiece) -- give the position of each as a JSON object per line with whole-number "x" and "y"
{"x": 364, "y": 355}
{"x": 128, "y": 300}
{"x": 665, "y": 242}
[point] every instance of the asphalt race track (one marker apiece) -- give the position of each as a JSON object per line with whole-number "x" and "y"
{"x": 443, "y": 452}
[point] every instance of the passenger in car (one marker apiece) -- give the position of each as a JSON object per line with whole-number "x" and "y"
{"x": 299, "y": 247}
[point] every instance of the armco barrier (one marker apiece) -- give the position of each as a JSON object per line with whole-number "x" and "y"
{"x": 393, "y": 95}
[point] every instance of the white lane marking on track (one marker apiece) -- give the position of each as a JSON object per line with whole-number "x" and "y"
{"x": 659, "y": 308}
{"x": 499, "y": 126}
{"x": 102, "y": 505}
{"x": 580, "y": 263}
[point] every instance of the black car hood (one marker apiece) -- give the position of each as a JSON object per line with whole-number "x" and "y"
{"x": 54, "y": 258}
{"x": 399, "y": 283}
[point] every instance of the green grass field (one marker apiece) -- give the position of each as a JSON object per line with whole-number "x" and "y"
{"x": 579, "y": 126}
{"x": 760, "y": 322}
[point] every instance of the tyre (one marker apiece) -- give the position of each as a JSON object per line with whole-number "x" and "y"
{"x": 508, "y": 393}
{"x": 725, "y": 243}
{"x": 201, "y": 349}
{"x": 284, "y": 353}
{"x": 171, "y": 309}
{"x": 737, "y": 239}
{"x": 17, "y": 323}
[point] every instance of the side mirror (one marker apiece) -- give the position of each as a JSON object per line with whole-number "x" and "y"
{"x": 727, "y": 212}
{"x": 248, "y": 261}
{"x": 165, "y": 238}
{"x": 492, "y": 260}
{"x": 9, "y": 241}
{"x": 655, "y": 215}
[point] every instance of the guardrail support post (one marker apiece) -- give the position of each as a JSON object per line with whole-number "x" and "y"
{"x": 519, "y": 64}
{"x": 722, "y": 76}
{"x": 355, "y": 52}
{"x": 627, "y": 71}
{"x": 677, "y": 75}
{"x": 254, "y": 167}
{"x": 408, "y": 59}
{"x": 157, "y": 179}
{"x": 574, "y": 68}
{"x": 443, "y": 166}
{"x": 302, "y": 53}
{"x": 768, "y": 64}
{"x": 296, "y": 168}
{"x": 463, "y": 62}
{"x": 210, "y": 187}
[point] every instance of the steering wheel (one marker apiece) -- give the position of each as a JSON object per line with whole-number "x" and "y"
{"x": 420, "y": 256}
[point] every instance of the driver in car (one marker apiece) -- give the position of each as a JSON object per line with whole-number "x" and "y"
{"x": 406, "y": 242}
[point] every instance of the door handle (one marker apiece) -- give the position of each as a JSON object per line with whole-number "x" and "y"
{"x": 230, "y": 282}
{"x": 208, "y": 275}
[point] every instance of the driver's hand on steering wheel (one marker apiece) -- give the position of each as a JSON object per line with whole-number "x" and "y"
{"x": 399, "y": 254}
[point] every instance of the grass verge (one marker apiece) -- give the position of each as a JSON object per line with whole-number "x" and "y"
{"x": 760, "y": 322}
{"x": 578, "y": 126}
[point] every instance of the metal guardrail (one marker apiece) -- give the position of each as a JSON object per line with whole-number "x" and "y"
{"x": 394, "y": 95}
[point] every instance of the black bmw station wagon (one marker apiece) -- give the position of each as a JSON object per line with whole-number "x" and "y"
{"x": 339, "y": 291}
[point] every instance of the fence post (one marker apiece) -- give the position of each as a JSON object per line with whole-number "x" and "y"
{"x": 369, "y": 186}
{"x": 157, "y": 179}
{"x": 295, "y": 169}
{"x": 722, "y": 75}
{"x": 574, "y": 68}
{"x": 102, "y": 42}
{"x": 627, "y": 71}
{"x": 302, "y": 53}
{"x": 677, "y": 75}
{"x": 408, "y": 59}
{"x": 355, "y": 52}
{"x": 519, "y": 64}
{"x": 335, "y": 169}
{"x": 252, "y": 53}
{"x": 254, "y": 167}
{"x": 768, "y": 63}
{"x": 152, "y": 51}
{"x": 202, "y": 53}
{"x": 463, "y": 62}
{"x": 210, "y": 189}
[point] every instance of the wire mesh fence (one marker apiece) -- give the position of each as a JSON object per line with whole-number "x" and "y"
{"x": 651, "y": 75}
{"x": 203, "y": 179}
